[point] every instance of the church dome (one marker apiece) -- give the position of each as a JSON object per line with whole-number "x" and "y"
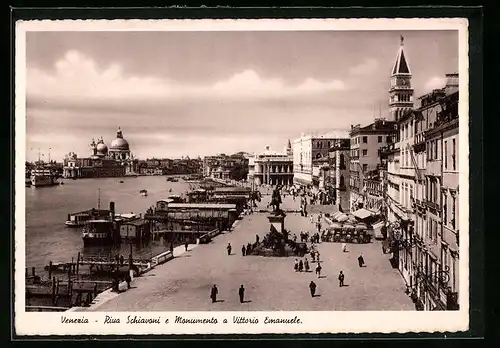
{"x": 119, "y": 143}
{"x": 101, "y": 147}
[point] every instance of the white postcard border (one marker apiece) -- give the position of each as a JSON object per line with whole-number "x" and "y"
{"x": 31, "y": 323}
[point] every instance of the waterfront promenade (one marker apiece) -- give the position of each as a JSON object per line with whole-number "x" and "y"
{"x": 183, "y": 284}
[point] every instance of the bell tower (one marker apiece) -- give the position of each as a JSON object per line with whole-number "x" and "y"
{"x": 401, "y": 91}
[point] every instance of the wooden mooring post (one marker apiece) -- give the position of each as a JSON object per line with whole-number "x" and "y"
{"x": 77, "y": 263}
{"x": 54, "y": 290}
{"x": 50, "y": 269}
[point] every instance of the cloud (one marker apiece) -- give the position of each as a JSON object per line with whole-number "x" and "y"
{"x": 77, "y": 79}
{"x": 434, "y": 83}
{"x": 368, "y": 66}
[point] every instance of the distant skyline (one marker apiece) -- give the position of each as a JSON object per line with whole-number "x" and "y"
{"x": 201, "y": 93}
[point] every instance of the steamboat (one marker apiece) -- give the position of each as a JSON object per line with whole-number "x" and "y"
{"x": 43, "y": 177}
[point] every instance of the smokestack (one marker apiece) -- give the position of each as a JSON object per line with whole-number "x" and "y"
{"x": 112, "y": 210}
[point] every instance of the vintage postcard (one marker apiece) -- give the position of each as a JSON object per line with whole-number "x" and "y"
{"x": 241, "y": 176}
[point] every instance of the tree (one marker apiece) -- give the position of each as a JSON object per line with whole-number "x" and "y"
{"x": 238, "y": 172}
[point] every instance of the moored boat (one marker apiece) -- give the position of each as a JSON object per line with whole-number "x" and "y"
{"x": 43, "y": 177}
{"x": 143, "y": 192}
{"x": 98, "y": 232}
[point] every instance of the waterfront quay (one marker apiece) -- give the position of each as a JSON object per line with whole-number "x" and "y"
{"x": 184, "y": 283}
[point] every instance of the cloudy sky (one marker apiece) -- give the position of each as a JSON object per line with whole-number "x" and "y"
{"x": 199, "y": 93}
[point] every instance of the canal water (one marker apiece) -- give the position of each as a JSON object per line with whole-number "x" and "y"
{"x": 47, "y": 208}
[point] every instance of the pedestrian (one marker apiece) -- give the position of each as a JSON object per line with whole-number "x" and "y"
{"x": 318, "y": 270}
{"x": 301, "y": 266}
{"x": 313, "y": 256}
{"x": 341, "y": 279}
{"x": 186, "y": 244}
{"x": 172, "y": 247}
{"x": 312, "y": 288}
{"x": 249, "y": 249}
{"x": 122, "y": 260}
{"x": 306, "y": 265}
{"x": 213, "y": 293}
{"x": 344, "y": 247}
{"x": 317, "y": 256}
{"x": 128, "y": 279}
{"x": 228, "y": 248}
{"x": 361, "y": 261}
{"x": 296, "y": 265}
{"x": 257, "y": 238}
{"x": 241, "y": 293}
{"x": 243, "y": 250}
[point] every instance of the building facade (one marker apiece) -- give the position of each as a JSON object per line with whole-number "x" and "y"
{"x": 339, "y": 174}
{"x": 366, "y": 188}
{"x": 271, "y": 167}
{"x": 311, "y": 155}
{"x": 222, "y": 166}
{"x": 422, "y": 194}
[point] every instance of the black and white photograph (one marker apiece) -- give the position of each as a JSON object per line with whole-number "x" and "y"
{"x": 241, "y": 176}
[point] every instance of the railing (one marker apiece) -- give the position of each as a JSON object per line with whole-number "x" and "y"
{"x": 87, "y": 260}
{"x": 415, "y": 165}
{"x": 432, "y": 205}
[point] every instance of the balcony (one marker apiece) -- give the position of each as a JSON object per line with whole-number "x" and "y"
{"x": 432, "y": 206}
{"x": 419, "y": 144}
{"x": 434, "y": 168}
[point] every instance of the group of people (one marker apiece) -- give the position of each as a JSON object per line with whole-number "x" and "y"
{"x": 215, "y": 291}
{"x": 246, "y": 250}
{"x": 300, "y": 266}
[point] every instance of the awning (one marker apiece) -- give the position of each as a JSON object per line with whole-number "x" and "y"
{"x": 377, "y": 229}
{"x": 360, "y": 227}
{"x": 340, "y": 217}
{"x": 362, "y": 214}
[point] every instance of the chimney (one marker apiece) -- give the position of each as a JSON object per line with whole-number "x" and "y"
{"x": 112, "y": 210}
{"x": 451, "y": 83}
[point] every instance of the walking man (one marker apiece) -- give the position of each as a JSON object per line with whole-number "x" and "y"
{"x": 213, "y": 293}
{"x": 257, "y": 238}
{"x": 128, "y": 279}
{"x": 306, "y": 265}
{"x": 172, "y": 247}
{"x": 318, "y": 270}
{"x": 186, "y": 244}
{"x": 344, "y": 247}
{"x": 241, "y": 293}
{"x": 243, "y": 250}
{"x": 301, "y": 266}
{"x": 296, "y": 265}
{"x": 361, "y": 261}
{"x": 312, "y": 288}
{"x": 341, "y": 279}
{"x": 228, "y": 248}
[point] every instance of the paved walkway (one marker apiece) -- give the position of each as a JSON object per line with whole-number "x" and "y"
{"x": 184, "y": 283}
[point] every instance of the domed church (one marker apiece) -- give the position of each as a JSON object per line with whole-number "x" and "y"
{"x": 119, "y": 149}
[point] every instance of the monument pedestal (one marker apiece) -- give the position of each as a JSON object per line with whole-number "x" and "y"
{"x": 278, "y": 222}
